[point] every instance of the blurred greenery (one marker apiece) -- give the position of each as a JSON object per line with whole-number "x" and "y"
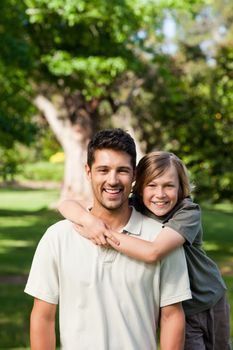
{"x": 41, "y": 171}
{"x": 164, "y": 66}
{"x": 24, "y": 217}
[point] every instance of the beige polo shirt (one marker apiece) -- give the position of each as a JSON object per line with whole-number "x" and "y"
{"x": 107, "y": 301}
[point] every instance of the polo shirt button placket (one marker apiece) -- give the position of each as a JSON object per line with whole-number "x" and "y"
{"x": 107, "y": 255}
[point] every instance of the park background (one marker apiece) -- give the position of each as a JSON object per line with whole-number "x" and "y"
{"x": 163, "y": 70}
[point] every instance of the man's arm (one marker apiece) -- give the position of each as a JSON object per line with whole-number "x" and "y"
{"x": 42, "y": 326}
{"x": 172, "y": 327}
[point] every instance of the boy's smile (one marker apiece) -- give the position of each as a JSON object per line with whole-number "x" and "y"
{"x": 161, "y": 194}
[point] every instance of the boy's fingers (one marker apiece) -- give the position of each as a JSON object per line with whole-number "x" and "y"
{"x": 113, "y": 243}
{"x": 102, "y": 240}
{"x": 112, "y": 237}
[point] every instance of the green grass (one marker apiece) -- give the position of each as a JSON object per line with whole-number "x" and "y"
{"x": 24, "y": 216}
{"x": 217, "y": 227}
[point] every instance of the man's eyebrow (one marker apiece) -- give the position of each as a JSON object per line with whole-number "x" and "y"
{"x": 102, "y": 167}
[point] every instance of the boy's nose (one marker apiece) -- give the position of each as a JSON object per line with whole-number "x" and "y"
{"x": 160, "y": 192}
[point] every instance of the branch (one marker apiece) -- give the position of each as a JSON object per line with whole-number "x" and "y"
{"x": 49, "y": 111}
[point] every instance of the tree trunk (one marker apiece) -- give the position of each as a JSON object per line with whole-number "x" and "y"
{"x": 75, "y": 184}
{"x": 74, "y": 139}
{"x": 74, "y": 144}
{"x": 123, "y": 118}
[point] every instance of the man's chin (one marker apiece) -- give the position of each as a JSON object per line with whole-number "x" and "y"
{"x": 112, "y": 205}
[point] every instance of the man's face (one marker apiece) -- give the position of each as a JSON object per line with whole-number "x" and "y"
{"x": 111, "y": 176}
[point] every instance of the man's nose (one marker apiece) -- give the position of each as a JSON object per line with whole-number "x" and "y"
{"x": 112, "y": 178}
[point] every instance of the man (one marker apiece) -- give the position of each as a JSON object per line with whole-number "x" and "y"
{"x": 107, "y": 301}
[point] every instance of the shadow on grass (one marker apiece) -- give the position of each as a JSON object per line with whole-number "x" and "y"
{"x": 19, "y": 234}
{"x": 14, "y": 317}
{"x": 20, "y": 231}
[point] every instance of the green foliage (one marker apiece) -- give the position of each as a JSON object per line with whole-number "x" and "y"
{"x": 42, "y": 171}
{"x": 88, "y": 51}
{"x": 11, "y": 160}
{"x": 61, "y": 63}
{"x": 15, "y": 66}
{"x": 8, "y": 164}
{"x": 86, "y": 41}
{"x": 185, "y": 106}
{"x": 45, "y": 145}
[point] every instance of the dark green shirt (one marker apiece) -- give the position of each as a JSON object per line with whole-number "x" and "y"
{"x": 206, "y": 283}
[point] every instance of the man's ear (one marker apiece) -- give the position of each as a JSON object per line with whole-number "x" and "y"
{"x": 88, "y": 171}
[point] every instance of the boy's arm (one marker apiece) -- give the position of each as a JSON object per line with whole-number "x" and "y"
{"x": 147, "y": 251}
{"x": 42, "y": 326}
{"x": 172, "y": 327}
{"x": 94, "y": 229}
{"x": 86, "y": 224}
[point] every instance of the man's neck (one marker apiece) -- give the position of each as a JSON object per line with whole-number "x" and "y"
{"x": 116, "y": 219}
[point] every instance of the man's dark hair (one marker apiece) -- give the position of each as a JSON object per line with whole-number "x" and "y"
{"x": 114, "y": 139}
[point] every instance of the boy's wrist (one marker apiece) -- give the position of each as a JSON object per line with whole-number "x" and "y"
{"x": 87, "y": 217}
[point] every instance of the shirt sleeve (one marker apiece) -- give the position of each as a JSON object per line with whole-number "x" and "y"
{"x": 186, "y": 220}
{"x": 43, "y": 277}
{"x": 174, "y": 279}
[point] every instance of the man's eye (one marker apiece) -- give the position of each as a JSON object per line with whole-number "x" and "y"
{"x": 124, "y": 171}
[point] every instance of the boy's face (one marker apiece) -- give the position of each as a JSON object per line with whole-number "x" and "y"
{"x": 161, "y": 194}
{"x": 111, "y": 176}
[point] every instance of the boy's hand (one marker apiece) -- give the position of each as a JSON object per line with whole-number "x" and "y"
{"x": 96, "y": 230}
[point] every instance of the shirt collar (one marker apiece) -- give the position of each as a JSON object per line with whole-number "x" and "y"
{"x": 134, "y": 224}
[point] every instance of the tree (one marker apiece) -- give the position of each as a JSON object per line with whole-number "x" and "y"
{"x": 81, "y": 49}
{"x": 16, "y": 109}
{"x": 15, "y": 67}
{"x": 92, "y": 64}
{"x": 206, "y": 58}
{"x": 185, "y": 103}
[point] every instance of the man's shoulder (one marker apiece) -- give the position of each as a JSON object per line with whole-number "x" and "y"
{"x": 141, "y": 225}
{"x": 59, "y": 228}
{"x": 61, "y": 224}
{"x": 151, "y": 222}
{"x": 146, "y": 219}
